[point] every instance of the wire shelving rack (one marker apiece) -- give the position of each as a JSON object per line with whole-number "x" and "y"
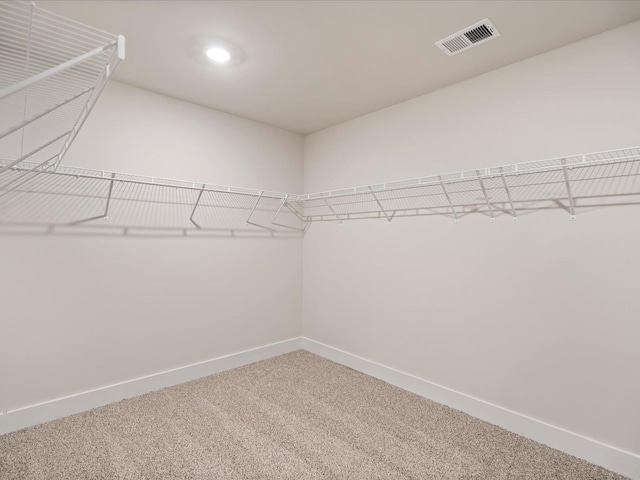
{"x": 72, "y": 196}
{"x": 570, "y": 183}
{"x": 52, "y": 71}
{"x": 80, "y": 197}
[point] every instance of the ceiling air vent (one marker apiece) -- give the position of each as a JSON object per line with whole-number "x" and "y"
{"x": 468, "y": 37}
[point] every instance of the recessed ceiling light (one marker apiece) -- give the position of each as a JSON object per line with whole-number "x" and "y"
{"x": 217, "y": 54}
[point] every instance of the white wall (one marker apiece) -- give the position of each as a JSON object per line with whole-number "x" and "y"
{"x": 83, "y": 312}
{"x": 541, "y": 316}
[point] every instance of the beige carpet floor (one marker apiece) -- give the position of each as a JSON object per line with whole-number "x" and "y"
{"x": 296, "y": 416}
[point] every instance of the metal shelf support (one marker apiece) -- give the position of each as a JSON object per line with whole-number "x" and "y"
{"x": 446, "y": 194}
{"x": 486, "y": 197}
{"x": 334, "y": 212}
{"x": 104, "y": 77}
{"x": 191, "y": 220}
{"x": 572, "y": 208}
{"x": 506, "y": 189}
{"x": 282, "y": 203}
{"x": 380, "y": 205}
{"x": 255, "y": 205}
{"x": 106, "y": 208}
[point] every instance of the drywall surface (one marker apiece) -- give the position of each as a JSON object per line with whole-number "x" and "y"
{"x": 539, "y": 316}
{"x": 81, "y": 312}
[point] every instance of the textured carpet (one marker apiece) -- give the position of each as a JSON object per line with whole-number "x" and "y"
{"x": 296, "y": 416}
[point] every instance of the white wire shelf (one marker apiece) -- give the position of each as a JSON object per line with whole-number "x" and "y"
{"x": 569, "y": 183}
{"x": 52, "y": 71}
{"x": 71, "y": 197}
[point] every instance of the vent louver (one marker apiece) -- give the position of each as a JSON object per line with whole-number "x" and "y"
{"x": 468, "y": 37}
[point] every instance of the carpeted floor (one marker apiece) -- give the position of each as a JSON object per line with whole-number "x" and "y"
{"x": 296, "y": 416}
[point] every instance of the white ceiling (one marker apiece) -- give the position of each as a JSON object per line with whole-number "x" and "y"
{"x": 307, "y": 65}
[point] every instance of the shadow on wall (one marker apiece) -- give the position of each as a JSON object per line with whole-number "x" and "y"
{"x": 18, "y": 229}
{"x": 99, "y": 226}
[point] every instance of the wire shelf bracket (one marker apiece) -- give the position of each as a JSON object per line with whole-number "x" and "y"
{"x": 106, "y": 208}
{"x": 446, "y": 194}
{"x": 486, "y": 197}
{"x": 572, "y": 208}
{"x": 508, "y": 192}
{"x": 193, "y": 212}
{"x": 333, "y": 211}
{"x": 379, "y": 205}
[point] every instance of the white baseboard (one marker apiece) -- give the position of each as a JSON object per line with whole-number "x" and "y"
{"x": 61, "y": 407}
{"x": 611, "y": 458}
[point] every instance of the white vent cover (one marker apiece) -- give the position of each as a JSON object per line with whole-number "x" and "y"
{"x": 468, "y": 37}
